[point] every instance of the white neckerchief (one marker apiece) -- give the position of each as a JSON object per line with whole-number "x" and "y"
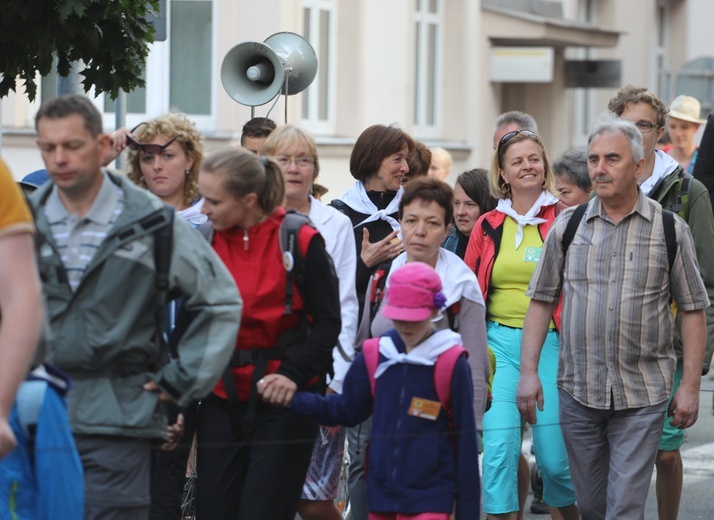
{"x": 357, "y": 199}
{"x": 458, "y": 281}
{"x": 506, "y": 206}
{"x": 664, "y": 165}
{"x": 193, "y": 214}
{"x": 425, "y": 353}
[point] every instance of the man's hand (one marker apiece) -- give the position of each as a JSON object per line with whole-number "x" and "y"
{"x": 7, "y": 438}
{"x": 530, "y": 393}
{"x": 386, "y": 249}
{"x": 150, "y": 386}
{"x": 175, "y": 432}
{"x": 684, "y": 408}
{"x": 277, "y": 389}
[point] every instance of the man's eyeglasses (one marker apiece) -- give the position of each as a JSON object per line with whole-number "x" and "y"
{"x": 301, "y": 162}
{"x": 148, "y": 148}
{"x": 645, "y": 126}
{"x": 510, "y": 135}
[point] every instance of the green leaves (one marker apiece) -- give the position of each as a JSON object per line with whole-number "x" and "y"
{"x": 110, "y": 37}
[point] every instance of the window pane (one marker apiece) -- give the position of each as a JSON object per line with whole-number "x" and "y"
{"x": 323, "y": 68}
{"x": 135, "y": 100}
{"x": 190, "y": 77}
{"x": 431, "y": 77}
{"x": 432, "y": 6}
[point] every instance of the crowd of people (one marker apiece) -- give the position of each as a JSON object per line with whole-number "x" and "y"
{"x": 214, "y": 299}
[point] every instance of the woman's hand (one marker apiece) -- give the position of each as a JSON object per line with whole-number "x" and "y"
{"x": 117, "y": 143}
{"x": 175, "y": 433}
{"x": 386, "y": 249}
{"x": 276, "y": 389}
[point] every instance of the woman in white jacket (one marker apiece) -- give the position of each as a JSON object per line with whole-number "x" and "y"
{"x": 294, "y": 149}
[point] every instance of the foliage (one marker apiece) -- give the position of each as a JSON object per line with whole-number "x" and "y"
{"x": 109, "y": 37}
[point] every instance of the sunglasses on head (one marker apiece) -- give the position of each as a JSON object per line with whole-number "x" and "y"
{"x": 148, "y": 148}
{"x": 510, "y": 135}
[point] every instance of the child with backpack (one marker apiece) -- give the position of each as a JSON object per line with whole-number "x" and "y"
{"x": 415, "y": 382}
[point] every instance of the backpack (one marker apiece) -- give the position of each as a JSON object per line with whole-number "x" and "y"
{"x": 443, "y": 373}
{"x": 670, "y": 236}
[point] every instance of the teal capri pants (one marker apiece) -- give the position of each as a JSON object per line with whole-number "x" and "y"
{"x": 502, "y": 427}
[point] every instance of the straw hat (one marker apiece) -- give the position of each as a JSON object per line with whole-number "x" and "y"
{"x": 686, "y": 108}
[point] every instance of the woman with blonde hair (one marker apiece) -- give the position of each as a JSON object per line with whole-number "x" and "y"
{"x": 503, "y": 250}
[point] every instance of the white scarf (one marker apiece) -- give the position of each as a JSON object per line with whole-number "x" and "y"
{"x": 425, "y": 353}
{"x": 193, "y": 214}
{"x": 506, "y": 206}
{"x": 458, "y": 281}
{"x": 664, "y": 165}
{"x": 357, "y": 199}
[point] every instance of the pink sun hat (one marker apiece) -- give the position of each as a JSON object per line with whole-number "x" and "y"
{"x": 414, "y": 292}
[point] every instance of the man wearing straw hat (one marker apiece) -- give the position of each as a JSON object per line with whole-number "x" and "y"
{"x": 682, "y": 124}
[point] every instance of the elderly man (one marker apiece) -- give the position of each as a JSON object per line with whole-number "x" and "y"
{"x": 107, "y": 265}
{"x": 617, "y": 362}
{"x": 665, "y": 181}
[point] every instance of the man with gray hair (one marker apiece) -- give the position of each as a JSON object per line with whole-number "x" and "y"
{"x": 510, "y": 122}
{"x": 627, "y": 260}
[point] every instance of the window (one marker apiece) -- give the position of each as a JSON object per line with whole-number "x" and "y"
{"x": 427, "y": 69}
{"x": 318, "y": 100}
{"x": 179, "y": 71}
{"x": 583, "y": 102}
{"x": 662, "y": 79}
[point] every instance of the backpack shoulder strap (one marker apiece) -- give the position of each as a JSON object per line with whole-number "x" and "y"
{"x": 670, "y": 236}
{"x": 443, "y": 374}
{"x": 163, "y": 242}
{"x": 370, "y": 351}
{"x": 292, "y": 257}
{"x": 572, "y": 226}
{"x": 682, "y": 193}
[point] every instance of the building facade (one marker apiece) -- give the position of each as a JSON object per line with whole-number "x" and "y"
{"x": 440, "y": 69}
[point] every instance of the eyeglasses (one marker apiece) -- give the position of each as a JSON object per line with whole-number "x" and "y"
{"x": 645, "y": 126}
{"x": 301, "y": 162}
{"x": 510, "y": 135}
{"x": 148, "y": 148}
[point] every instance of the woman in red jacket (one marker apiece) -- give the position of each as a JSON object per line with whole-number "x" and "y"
{"x": 503, "y": 250}
{"x": 252, "y": 457}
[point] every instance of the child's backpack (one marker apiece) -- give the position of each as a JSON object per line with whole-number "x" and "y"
{"x": 443, "y": 372}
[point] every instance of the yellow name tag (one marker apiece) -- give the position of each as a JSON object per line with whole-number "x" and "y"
{"x": 424, "y": 408}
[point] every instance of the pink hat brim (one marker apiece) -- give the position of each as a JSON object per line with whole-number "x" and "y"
{"x": 406, "y": 313}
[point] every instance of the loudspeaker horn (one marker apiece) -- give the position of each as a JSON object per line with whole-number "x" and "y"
{"x": 298, "y": 58}
{"x": 252, "y": 73}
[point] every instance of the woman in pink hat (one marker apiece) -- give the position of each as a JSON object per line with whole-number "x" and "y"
{"x": 682, "y": 123}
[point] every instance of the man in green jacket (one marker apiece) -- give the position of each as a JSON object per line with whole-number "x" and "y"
{"x": 97, "y": 250}
{"x": 664, "y": 181}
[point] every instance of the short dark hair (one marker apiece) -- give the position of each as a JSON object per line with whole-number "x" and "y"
{"x": 475, "y": 185}
{"x": 257, "y": 127}
{"x": 418, "y": 160}
{"x": 374, "y": 145}
{"x": 573, "y": 165}
{"x": 69, "y": 104}
{"x": 429, "y": 189}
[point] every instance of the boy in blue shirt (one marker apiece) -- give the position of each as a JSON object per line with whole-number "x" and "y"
{"x": 423, "y": 453}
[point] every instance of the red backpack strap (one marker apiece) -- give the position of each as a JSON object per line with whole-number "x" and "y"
{"x": 370, "y": 351}
{"x": 443, "y": 373}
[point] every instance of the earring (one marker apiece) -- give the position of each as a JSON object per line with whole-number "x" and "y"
{"x": 505, "y": 188}
{"x": 188, "y": 171}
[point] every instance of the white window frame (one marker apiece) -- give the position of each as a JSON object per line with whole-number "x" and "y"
{"x": 423, "y": 19}
{"x": 312, "y": 93}
{"x": 158, "y": 84}
{"x": 660, "y": 65}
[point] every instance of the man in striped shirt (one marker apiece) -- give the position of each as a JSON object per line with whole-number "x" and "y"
{"x": 617, "y": 362}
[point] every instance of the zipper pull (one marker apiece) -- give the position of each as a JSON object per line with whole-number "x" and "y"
{"x": 245, "y": 240}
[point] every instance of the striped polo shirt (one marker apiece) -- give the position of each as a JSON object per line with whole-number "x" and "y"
{"x": 616, "y": 337}
{"x": 78, "y": 238}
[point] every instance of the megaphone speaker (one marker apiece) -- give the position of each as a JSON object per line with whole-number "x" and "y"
{"x": 298, "y": 58}
{"x": 252, "y": 73}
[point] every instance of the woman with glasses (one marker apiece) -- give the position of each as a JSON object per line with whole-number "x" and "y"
{"x": 503, "y": 250}
{"x": 295, "y": 151}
